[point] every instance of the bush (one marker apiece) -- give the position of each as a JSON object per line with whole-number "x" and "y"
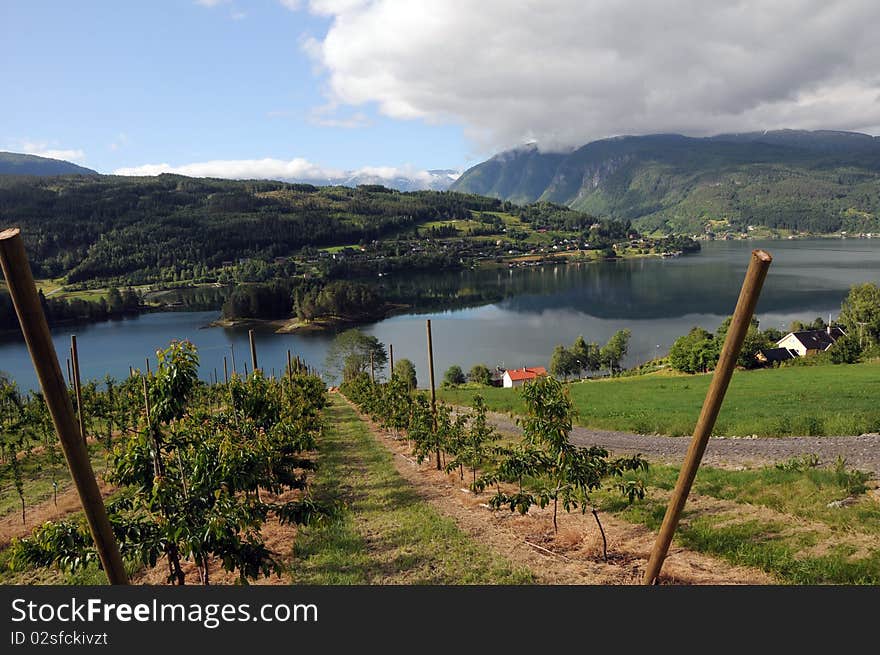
{"x": 454, "y": 376}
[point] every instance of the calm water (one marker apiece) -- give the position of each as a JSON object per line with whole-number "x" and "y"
{"x": 658, "y": 300}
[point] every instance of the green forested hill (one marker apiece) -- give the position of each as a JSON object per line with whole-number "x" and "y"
{"x": 792, "y": 180}
{"x": 133, "y": 230}
{"x": 13, "y": 163}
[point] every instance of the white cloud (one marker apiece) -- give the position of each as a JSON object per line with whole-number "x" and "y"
{"x": 45, "y": 149}
{"x": 296, "y": 169}
{"x": 210, "y": 3}
{"x": 569, "y": 71}
{"x": 240, "y": 169}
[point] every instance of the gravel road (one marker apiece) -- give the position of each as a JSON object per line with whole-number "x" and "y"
{"x": 862, "y": 452}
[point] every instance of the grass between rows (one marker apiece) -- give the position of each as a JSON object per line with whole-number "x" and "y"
{"x": 384, "y": 533}
{"x": 798, "y": 401}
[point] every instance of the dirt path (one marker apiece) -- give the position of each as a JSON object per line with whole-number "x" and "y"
{"x": 862, "y": 452}
{"x": 574, "y": 556}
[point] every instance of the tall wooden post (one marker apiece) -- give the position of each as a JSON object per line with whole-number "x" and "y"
{"x": 77, "y": 386}
{"x": 289, "y": 365}
{"x": 24, "y": 296}
{"x": 232, "y": 348}
{"x": 253, "y": 350}
{"x": 433, "y": 391}
{"x": 147, "y": 360}
{"x": 736, "y": 333}
{"x": 391, "y": 361}
{"x": 225, "y": 371}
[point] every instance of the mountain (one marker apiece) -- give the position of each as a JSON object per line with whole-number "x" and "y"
{"x": 431, "y": 180}
{"x": 819, "y": 181}
{"x": 13, "y": 163}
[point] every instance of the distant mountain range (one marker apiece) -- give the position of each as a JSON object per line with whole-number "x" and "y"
{"x": 820, "y": 181}
{"x": 433, "y": 180}
{"x": 13, "y": 163}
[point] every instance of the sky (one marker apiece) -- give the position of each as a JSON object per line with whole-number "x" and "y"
{"x": 312, "y": 88}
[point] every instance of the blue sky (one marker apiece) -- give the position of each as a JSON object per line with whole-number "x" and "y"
{"x": 298, "y": 87}
{"x": 122, "y": 84}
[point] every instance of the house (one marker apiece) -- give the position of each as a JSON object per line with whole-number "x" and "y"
{"x": 811, "y": 342}
{"x": 516, "y": 377}
{"x": 771, "y": 356}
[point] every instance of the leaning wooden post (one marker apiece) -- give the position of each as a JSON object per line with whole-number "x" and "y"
{"x": 77, "y": 386}
{"x": 253, "y": 351}
{"x": 739, "y": 326}
{"x": 24, "y": 295}
{"x": 390, "y": 361}
{"x": 433, "y": 392}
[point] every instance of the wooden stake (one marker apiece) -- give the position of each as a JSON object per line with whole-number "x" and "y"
{"x": 147, "y": 360}
{"x": 372, "y": 370}
{"x": 26, "y": 300}
{"x": 736, "y": 333}
{"x": 253, "y": 350}
{"x": 69, "y": 374}
{"x": 77, "y": 386}
{"x": 391, "y": 361}
{"x": 225, "y": 371}
{"x": 433, "y": 392}
{"x": 232, "y": 347}
{"x": 289, "y": 366}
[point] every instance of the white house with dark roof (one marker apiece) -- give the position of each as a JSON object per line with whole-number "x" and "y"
{"x": 810, "y": 342}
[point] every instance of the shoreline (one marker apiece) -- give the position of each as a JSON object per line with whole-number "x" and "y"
{"x": 294, "y": 325}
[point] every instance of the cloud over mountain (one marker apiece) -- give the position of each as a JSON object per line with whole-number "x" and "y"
{"x": 570, "y": 71}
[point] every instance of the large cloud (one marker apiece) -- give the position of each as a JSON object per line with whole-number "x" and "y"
{"x": 568, "y": 71}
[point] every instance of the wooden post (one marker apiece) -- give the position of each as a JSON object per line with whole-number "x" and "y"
{"x": 130, "y": 372}
{"x": 77, "y": 386}
{"x": 225, "y": 371}
{"x": 69, "y": 374}
{"x": 433, "y": 392}
{"x": 246, "y": 370}
{"x": 253, "y": 351}
{"x": 739, "y": 326}
{"x": 289, "y": 365}
{"x": 147, "y": 360}
{"x": 23, "y": 292}
{"x": 391, "y": 361}
{"x": 372, "y": 370}
{"x": 216, "y": 378}
{"x": 232, "y": 347}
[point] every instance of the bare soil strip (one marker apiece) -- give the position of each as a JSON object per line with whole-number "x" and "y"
{"x": 574, "y": 556}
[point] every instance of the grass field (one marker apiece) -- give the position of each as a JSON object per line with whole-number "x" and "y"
{"x": 772, "y": 519}
{"x": 800, "y": 401}
{"x": 385, "y": 534}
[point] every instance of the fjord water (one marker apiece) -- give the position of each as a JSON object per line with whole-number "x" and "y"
{"x": 532, "y": 310}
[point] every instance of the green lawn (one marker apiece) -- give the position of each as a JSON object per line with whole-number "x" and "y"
{"x": 808, "y": 400}
{"x": 384, "y": 533}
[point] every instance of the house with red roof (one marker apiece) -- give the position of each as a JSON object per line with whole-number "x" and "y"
{"x": 516, "y": 377}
